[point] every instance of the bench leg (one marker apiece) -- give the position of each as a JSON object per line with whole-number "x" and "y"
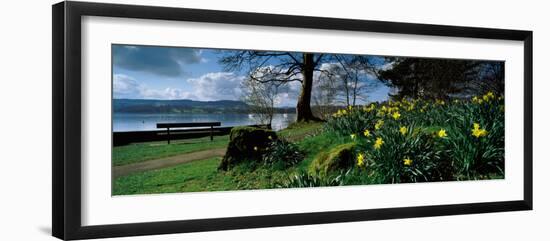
{"x": 211, "y": 133}
{"x": 168, "y": 135}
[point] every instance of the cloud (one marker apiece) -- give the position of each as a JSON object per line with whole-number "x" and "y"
{"x": 208, "y": 87}
{"x": 166, "y": 94}
{"x": 157, "y": 60}
{"x": 125, "y": 86}
{"x": 288, "y": 94}
{"x": 217, "y": 86}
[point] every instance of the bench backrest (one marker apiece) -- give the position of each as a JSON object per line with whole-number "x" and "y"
{"x": 189, "y": 124}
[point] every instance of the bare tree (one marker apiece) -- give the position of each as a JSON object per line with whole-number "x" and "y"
{"x": 279, "y": 68}
{"x": 261, "y": 99}
{"x": 351, "y": 75}
{"x": 324, "y": 96}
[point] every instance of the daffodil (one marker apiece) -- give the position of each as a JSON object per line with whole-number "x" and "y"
{"x": 403, "y": 130}
{"x": 339, "y": 113}
{"x": 270, "y": 137}
{"x": 255, "y": 148}
{"x": 360, "y": 160}
{"x": 477, "y": 100}
{"x": 442, "y": 133}
{"x": 369, "y": 109}
{"x": 396, "y": 115}
{"x": 353, "y": 136}
{"x": 366, "y": 133}
{"x": 407, "y": 161}
{"x": 378, "y": 124}
{"x": 378, "y": 143}
{"x": 478, "y": 132}
{"x": 488, "y": 96}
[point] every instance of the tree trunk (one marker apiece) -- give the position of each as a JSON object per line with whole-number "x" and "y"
{"x": 303, "y": 107}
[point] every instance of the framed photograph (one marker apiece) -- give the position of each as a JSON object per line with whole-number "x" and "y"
{"x": 171, "y": 120}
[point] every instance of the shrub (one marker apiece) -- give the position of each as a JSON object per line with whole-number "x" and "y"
{"x": 351, "y": 120}
{"x": 416, "y": 157}
{"x": 304, "y": 179}
{"x": 283, "y": 153}
{"x": 478, "y": 156}
{"x": 423, "y": 140}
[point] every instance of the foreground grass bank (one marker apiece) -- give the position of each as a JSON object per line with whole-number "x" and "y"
{"x": 203, "y": 175}
{"x": 139, "y": 152}
{"x": 394, "y": 142}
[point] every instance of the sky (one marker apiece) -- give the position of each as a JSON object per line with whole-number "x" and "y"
{"x": 167, "y": 73}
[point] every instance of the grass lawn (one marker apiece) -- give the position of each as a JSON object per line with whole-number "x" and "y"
{"x": 202, "y": 175}
{"x": 197, "y": 176}
{"x": 139, "y": 152}
{"x": 301, "y": 130}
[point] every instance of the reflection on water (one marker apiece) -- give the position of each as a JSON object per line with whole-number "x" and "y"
{"x": 142, "y": 122}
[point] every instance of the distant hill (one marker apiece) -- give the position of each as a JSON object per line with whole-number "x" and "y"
{"x": 182, "y": 106}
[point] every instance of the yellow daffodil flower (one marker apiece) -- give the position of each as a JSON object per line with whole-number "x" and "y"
{"x": 378, "y": 143}
{"x": 369, "y": 109}
{"x": 488, "y": 96}
{"x": 360, "y": 160}
{"x": 396, "y": 115}
{"x": 478, "y": 132}
{"x": 366, "y": 133}
{"x": 378, "y": 124}
{"x": 442, "y": 133}
{"x": 407, "y": 161}
{"x": 403, "y": 130}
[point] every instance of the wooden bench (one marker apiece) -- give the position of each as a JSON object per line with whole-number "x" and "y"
{"x": 190, "y": 124}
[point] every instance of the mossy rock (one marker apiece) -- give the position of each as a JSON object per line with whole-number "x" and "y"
{"x": 338, "y": 158}
{"x": 246, "y": 144}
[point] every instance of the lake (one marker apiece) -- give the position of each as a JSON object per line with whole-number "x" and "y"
{"x": 147, "y": 122}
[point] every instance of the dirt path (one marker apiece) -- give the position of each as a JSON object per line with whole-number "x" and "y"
{"x": 124, "y": 170}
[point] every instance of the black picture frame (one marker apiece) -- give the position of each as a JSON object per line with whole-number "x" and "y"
{"x": 66, "y": 47}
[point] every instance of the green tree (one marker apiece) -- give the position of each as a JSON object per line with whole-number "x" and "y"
{"x": 434, "y": 78}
